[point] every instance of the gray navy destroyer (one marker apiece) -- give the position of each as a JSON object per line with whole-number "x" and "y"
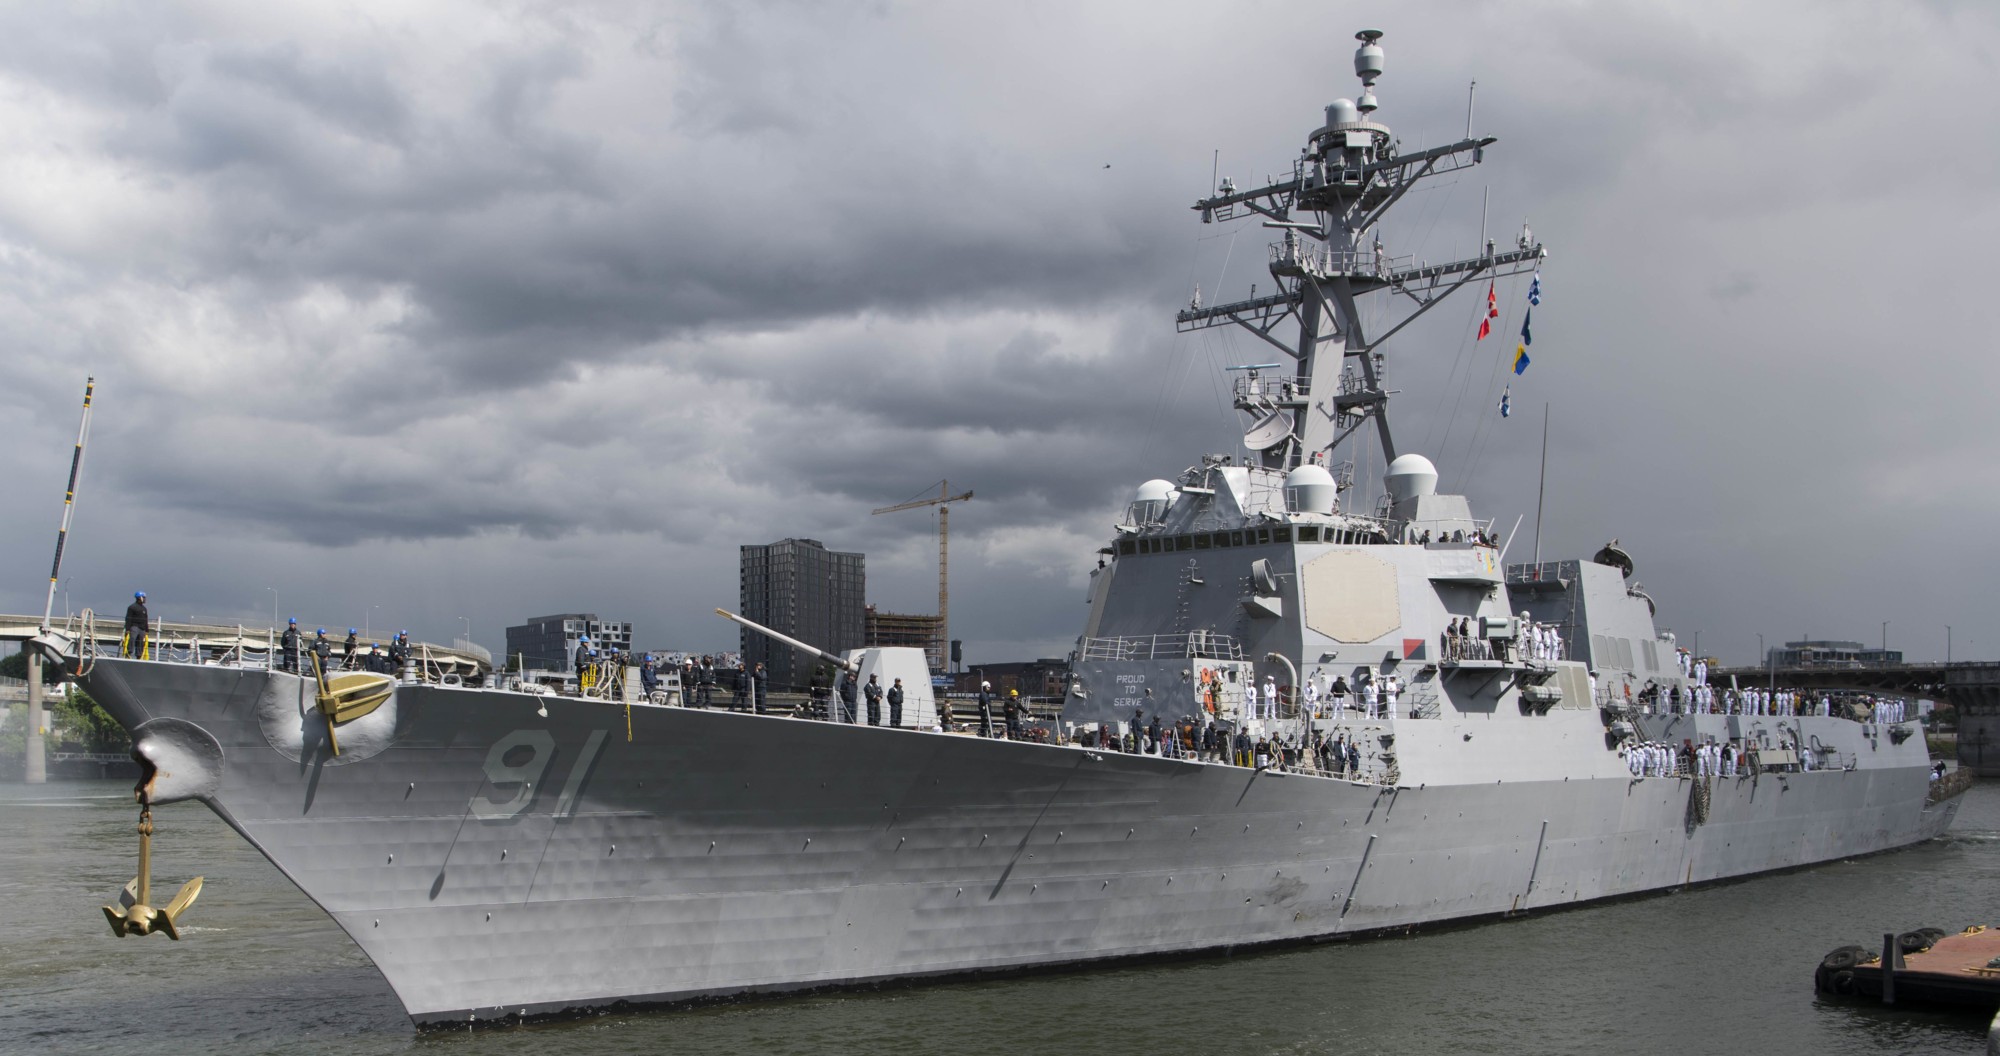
{"x": 499, "y": 851}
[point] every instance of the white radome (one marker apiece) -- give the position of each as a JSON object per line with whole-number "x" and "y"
{"x": 1311, "y": 489}
{"x": 1410, "y": 476}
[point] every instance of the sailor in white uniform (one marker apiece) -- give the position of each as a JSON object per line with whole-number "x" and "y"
{"x": 1270, "y": 696}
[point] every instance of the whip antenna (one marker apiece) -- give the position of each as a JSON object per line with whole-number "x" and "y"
{"x": 69, "y": 501}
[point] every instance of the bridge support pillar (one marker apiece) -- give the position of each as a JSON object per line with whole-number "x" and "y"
{"x": 1975, "y": 690}
{"x": 37, "y": 769}
{"x": 1979, "y": 738}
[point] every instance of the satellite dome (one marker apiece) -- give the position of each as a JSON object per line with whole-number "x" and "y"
{"x": 1410, "y": 476}
{"x": 1311, "y": 489}
{"x": 1342, "y": 112}
{"x": 1151, "y": 502}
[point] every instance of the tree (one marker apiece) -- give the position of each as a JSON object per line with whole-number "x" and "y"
{"x": 15, "y": 665}
{"x": 78, "y": 719}
{"x": 13, "y": 741}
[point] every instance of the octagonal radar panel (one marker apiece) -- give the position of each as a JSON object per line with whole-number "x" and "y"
{"x": 1350, "y": 596}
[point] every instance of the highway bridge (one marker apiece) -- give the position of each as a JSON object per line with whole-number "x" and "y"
{"x": 1902, "y": 680}
{"x": 1971, "y": 686}
{"x": 250, "y": 644}
{"x": 195, "y": 643}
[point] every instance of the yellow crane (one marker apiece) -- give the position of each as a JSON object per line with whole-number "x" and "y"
{"x": 943, "y": 502}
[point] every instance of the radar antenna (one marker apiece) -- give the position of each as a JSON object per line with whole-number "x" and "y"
{"x": 1350, "y": 174}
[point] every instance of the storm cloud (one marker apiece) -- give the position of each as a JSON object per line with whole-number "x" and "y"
{"x": 409, "y": 315}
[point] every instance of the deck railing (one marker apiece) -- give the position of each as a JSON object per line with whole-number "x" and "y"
{"x": 1204, "y": 645}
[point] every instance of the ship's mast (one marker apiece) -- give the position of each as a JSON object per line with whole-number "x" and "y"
{"x": 1345, "y": 180}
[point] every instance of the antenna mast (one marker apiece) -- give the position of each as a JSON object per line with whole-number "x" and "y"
{"x": 1351, "y": 173}
{"x": 1542, "y": 488}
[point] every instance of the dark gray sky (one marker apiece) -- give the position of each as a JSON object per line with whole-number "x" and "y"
{"x": 412, "y": 313}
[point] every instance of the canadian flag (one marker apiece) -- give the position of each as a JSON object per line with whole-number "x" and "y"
{"x": 1492, "y": 313}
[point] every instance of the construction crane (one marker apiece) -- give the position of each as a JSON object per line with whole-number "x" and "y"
{"x": 943, "y": 502}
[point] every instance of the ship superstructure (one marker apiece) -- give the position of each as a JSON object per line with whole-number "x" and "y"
{"x": 503, "y": 852}
{"x": 1263, "y": 564}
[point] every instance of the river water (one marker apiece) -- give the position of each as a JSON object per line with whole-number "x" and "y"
{"x": 1721, "y": 969}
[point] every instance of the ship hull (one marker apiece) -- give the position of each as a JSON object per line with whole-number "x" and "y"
{"x": 495, "y": 861}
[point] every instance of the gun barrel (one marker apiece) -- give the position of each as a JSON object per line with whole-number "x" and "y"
{"x": 793, "y": 642}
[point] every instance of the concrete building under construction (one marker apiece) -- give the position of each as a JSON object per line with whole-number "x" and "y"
{"x": 919, "y": 632}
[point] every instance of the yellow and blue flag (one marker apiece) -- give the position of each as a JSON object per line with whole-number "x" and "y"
{"x": 1527, "y": 338}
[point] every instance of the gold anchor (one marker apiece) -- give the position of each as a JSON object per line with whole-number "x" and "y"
{"x": 134, "y": 914}
{"x": 345, "y": 698}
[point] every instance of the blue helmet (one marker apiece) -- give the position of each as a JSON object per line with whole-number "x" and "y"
{"x": 350, "y": 630}
{"x": 321, "y": 632}
{"x": 139, "y": 595}
{"x": 294, "y": 619}
{"x": 402, "y": 634}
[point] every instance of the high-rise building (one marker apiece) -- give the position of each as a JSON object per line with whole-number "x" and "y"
{"x": 548, "y": 643}
{"x": 799, "y": 588}
{"x": 919, "y": 632}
